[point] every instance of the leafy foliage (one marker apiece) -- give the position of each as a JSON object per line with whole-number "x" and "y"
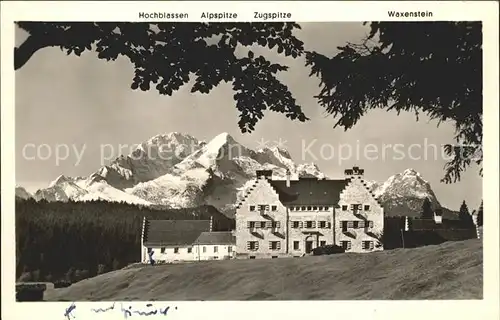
{"x": 165, "y": 55}
{"x": 433, "y": 68}
{"x": 58, "y": 241}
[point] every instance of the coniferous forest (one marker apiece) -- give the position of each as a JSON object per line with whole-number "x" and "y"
{"x": 66, "y": 242}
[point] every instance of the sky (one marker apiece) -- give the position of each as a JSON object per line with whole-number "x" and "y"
{"x": 79, "y": 104}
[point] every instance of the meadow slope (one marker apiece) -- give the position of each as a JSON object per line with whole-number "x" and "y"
{"x": 453, "y": 270}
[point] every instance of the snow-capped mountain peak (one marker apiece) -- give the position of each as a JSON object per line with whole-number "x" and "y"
{"x": 178, "y": 170}
{"x": 405, "y": 192}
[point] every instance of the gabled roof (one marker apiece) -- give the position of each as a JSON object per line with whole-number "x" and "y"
{"x": 311, "y": 191}
{"x": 164, "y": 233}
{"x": 220, "y": 237}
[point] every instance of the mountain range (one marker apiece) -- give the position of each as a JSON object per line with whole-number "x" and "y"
{"x": 177, "y": 170}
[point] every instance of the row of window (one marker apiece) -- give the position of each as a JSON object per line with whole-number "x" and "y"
{"x": 276, "y": 245}
{"x": 263, "y": 207}
{"x": 266, "y": 207}
{"x": 310, "y": 224}
{"x": 365, "y": 245}
{"x": 190, "y": 250}
{"x": 356, "y": 207}
{"x": 356, "y": 225}
{"x": 263, "y": 224}
{"x": 254, "y": 245}
{"x": 309, "y": 208}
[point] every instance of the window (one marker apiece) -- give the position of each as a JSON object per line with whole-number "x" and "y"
{"x": 367, "y": 207}
{"x": 204, "y": 249}
{"x": 296, "y": 245}
{"x": 295, "y": 224}
{"x": 367, "y": 245}
{"x": 274, "y": 245}
{"x": 361, "y": 224}
{"x": 263, "y": 207}
{"x": 190, "y": 250}
{"x": 162, "y": 250}
{"x": 344, "y": 208}
{"x": 216, "y": 249}
{"x": 252, "y": 208}
{"x": 176, "y": 250}
{"x": 291, "y": 208}
{"x": 344, "y": 226}
{"x": 309, "y": 208}
{"x": 303, "y": 208}
{"x": 355, "y": 224}
{"x": 322, "y": 243}
{"x": 309, "y": 224}
{"x": 263, "y": 224}
{"x": 355, "y": 207}
{"x": 275, "y": 224}
{"x": 326, "y": 208}
{"x": 322, "y": 224}
{"x": 315, "y": 208}
{"x": 252, "y": 245}
{"x": 252, "y": 257}
{"x": 274, "y": 208}
{"x": 350, "y": 224}
{"x": 346, "y": 245}
{"x": 370, "y": 224}
{"x": 251, "y": 224}
{"x": 230, "y": 249}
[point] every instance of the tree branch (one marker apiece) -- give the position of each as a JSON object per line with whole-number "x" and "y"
{"x": 27, "y": 49}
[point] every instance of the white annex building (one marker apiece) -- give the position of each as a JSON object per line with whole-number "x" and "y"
{"x": 169, "y": 241}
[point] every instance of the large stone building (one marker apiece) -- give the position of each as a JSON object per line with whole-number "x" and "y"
{"x": 288, "y": 217}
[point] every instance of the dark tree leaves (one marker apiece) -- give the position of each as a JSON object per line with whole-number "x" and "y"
{"x": 465, "y": 216}
{"x": 433, "y": 68}
{"x": 165, "y": 55}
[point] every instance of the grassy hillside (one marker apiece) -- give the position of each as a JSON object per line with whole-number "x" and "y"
{"x": 452, "y": 270}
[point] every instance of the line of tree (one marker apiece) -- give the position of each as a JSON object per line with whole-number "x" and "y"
{"x": 57, "y": 241}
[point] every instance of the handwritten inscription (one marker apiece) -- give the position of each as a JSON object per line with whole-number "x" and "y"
{"x": 126, "y": 311}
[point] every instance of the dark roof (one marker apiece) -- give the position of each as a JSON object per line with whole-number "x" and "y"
{"x": 221, "y": 237}
{"x": 423, "y": 224}
{"x": 173, "y": 232}
{"x": 430, "y": 224}
{"x": 311, "y": 191}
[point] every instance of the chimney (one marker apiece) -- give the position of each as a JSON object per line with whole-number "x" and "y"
{"x": 354, "y": 172}
{"x": 211, "y": 224}
{"x": 438, "y": 216}
{"x": 288, "y": 178}
{"x": 264, "y": 174}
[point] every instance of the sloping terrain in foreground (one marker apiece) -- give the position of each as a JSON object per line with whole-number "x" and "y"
{"x": 452, "y": 270}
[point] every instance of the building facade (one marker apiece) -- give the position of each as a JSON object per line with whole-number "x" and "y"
{"x": 288, "y": 217}
{"x": 169, "y": 241}
{"x": 219, "y": 245}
